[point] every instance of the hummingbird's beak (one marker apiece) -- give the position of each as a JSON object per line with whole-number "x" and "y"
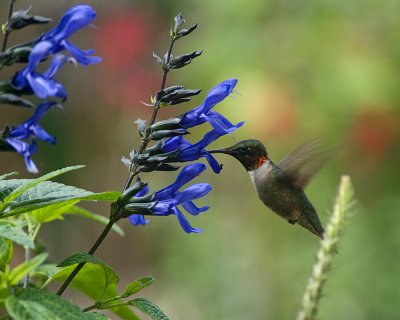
{"x": 225, "y": 151}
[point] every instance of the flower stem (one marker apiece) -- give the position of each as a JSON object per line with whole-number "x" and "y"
{"x": 78, "y": 268}
{"x": 327, "y": 251}
{"x": 28, "y": 253}
{"x": 27, "y": 258}
{"x": 36, "y": 232}
{"x": 90, "y": 308}
{"x": 143, "y": 146}
{"x": 128, "y": 182}
{"x": 104, "y": 303}
{"x": 5, "y": 39}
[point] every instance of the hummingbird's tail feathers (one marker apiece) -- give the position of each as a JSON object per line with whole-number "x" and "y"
{"x": 311, "y": 223}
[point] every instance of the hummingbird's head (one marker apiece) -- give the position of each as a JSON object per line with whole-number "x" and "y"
{"x": 251, "y": 153}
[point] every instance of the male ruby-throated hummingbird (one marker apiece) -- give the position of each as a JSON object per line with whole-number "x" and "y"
{"x": 280, "y": 187}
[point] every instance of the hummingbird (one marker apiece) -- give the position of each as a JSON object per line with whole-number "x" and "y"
{"x": 281, "y": 187}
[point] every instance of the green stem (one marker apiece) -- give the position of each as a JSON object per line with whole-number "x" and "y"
{"x": 103, "y": 303}
{"x": 28, "y": 253}
{"x": 5, "y": 39}
{"x": 128, "y": 182}
{"x": 35, "y": 233}
{"x": 90, "y": 308}
{"x": 6, "y": 33}
{"x": 327, "y": 251}
{"x": 113, "y": 306}
{"x": 46, "y": 283}
{"x": 143, "y": 146}
{"x": 7, "y": 215}
{"x": 78, "y": 268}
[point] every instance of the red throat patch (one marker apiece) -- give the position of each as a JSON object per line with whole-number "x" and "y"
{"x": 260, "y": 162}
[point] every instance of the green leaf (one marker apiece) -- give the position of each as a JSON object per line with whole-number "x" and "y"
{"x": 33, "y": 304}
{"x": 44, "y": 194}
{"x": 124, "y": 312}
{"x": 2, "y": 177}
{"x": 52, "y": 212}
{"x": 137, "y": 285}
{"x": 44, "y": 273}
{"x": 33, "y": 182}
{"x": 103, "y": 196}
{"x": 4, "y": 293}
{"x": 82, "y": 257}
{"x": 23, "y": 269}
{"x": 15, "y": 234}
{"x": 96, "y": 217}
{"x": 96, "y": 316}
{"x": 6, "y": 252}
{"x": 96, "y": 279}
{"x": 148, "y": 308}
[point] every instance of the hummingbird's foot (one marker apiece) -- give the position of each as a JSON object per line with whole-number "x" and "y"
{"x": 292, "y": 221}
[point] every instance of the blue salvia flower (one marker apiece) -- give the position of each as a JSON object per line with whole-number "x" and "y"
{"x": 43, "y": 85}
{"x": 138, "y": 220}
{"x": 30, "y": 129}
{"x": 51, "y": 43}
{"x": 203, "y": 112}
{"x": 192, "y": 152}
{"x": 26, "y": 150}
{"x": 170, "y": 197}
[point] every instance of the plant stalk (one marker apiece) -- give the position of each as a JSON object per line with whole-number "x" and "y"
{"x": 5, "y": 39}
{"x": 28, "y": 252}
{"x": 328, "y": 249}
{"x": 153, "y": 116}
{"x": 78, "y": 268}
{"x": 104, "y": 302}
{"x": 128, "y": 182}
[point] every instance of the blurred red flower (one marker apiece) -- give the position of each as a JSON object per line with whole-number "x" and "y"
{"x": 374, "y": 132}
{"x": 124, "y": 42}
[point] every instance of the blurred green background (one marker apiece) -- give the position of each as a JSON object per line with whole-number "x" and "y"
{"x": 306, "y": 69}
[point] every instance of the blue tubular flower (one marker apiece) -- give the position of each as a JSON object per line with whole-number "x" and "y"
{"x": 31, "y": 128}
{"x": 203, "y": 112}
{"x": 170, "y": 197}
{"x": 73, "y": 20}
{"x": 25, "y": 150}
{"x": 43, "y": 85}
{"x": 138, "y": 220}
{"x": 192, "y": 152}
{"x": 53, "y": 42}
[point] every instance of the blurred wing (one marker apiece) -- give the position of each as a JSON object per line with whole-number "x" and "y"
{"x": 303, "y": 163}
